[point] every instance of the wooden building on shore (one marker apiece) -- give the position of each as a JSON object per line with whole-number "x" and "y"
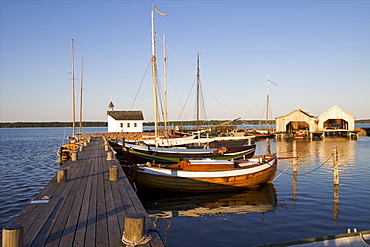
{"x": 301, "y": 124}
{"x": 124, "y": 121}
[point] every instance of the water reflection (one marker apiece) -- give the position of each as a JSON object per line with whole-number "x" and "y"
{"x": 317, "y": 157}
{"x": 167, "y": 205}
{"x": 314, "y": 153}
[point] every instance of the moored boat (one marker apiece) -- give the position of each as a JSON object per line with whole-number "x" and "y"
{"x": 205, "y": 175}
{"x": 65, "y": 151}
{"x": 143, "y": 154}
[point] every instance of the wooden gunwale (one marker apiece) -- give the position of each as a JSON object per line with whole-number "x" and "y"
{"x": 174, "y": 158}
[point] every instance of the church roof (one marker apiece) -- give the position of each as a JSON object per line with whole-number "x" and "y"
{"x": 126, "y": 115}
{"x": 111, "y": 104}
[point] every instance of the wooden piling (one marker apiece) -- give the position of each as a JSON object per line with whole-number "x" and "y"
{"x": 74, "y": 156}
{"x": 268, "y": 148}
{"x": 61, "y": 175}
{"x": 294, "y": 155}
{"x": 109, "y": 156}
{"x": 335, "y": 165}
{"x": 81, "y": 148}
{"x": 113, "y": 173}
{"x": 134, "y": 227}
{"x": 12, "y": 236}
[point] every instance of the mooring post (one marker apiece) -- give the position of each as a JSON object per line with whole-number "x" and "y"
{"x": 294, "y": 155}
{"x": 134, "y": 229}
{"x": 335, "y": 165}
{"x": 12, "y": 236}
{"x": 109, "y": 156}
{"x": 61, "y": 175}
{"x": 268, "y": 148}
{"x": 113, "y": 173}
{"x": 81, "y": 148}
{"x": 74, "y": 156}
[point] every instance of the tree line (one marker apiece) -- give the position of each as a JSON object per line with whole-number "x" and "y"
{"x": 50, "y": 124}
{"x": 170, "y": 123}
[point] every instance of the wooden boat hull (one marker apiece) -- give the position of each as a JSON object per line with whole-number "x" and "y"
{"x": 212, "y": 181}
{"x": 141, "y": 157}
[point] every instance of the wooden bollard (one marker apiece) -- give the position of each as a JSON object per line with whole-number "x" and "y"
{"x": 81, "y": 148}
{"x": 113, "y": 173}
{"x": 61, "y": 175}
{"x": 268, "y": 147}
{"x": 335, "y": 164}
{"x": 109, "y": 156}
{"x": 85, "y": 143}
{"x": 13, "y": 236}
{"x": 74, "y": 156}
{"x": 106, "y": 147}
{"x": 134, "y": 227}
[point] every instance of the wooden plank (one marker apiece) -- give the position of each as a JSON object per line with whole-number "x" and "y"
{"x": 42, "y": 236}
{"x": 114, "y": 233}
{"x": 73, "y": 217}
{"x": 79, "y": 239}
{"x": 39, "y": 238}
{"x": 28, "y": 212}
{"x": 87, "y": 210}
{"x": 57, "y": 230}
{"x": 91, "y": 218}
{"x": 101, "y": 223}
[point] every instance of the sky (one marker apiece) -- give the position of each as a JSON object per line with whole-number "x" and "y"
{"x": 317, "y": 52}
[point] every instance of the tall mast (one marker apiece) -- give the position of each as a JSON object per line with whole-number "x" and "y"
{"x": 165, "y": 82}
{"x": 73, "y": 92}
{"x": 154, "y": 77}
{"x": 267, "y": 101}
{"x": 198, "y": 89}
{"x": 81, "y": 84}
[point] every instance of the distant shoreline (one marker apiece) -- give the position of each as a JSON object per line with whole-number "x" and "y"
{"x": 174, "y": 123}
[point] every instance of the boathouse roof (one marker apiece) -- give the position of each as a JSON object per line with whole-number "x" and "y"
{"x": 336, "y": 112}
{"x": 126, "y": 115}
{"x": 300, "y": 111}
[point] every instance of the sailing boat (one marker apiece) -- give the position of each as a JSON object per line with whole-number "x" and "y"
{"x": 259, "y": 133}
{"x": 65, "y": 151}
{"x": 139, "y": 153}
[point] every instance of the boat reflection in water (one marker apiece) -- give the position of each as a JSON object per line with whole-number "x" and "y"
{"x": 167, "y": 205}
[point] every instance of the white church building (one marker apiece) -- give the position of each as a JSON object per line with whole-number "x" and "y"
{"x": 124, "y": 121}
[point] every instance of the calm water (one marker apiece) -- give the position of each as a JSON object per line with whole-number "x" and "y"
{"x": 304, "y": 206}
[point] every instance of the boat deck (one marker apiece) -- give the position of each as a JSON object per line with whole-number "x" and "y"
{"x": 348, "y": 239}
{"x": 87, "y": 210}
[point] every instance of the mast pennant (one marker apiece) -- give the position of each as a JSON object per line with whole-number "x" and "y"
{"x": 159, "y": 12}
{"x": 274, "y": 83}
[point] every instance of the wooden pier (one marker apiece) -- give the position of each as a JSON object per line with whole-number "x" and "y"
{"x": 86, "y": 210}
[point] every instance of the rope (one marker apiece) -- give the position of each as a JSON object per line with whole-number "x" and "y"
{"x": 281, "y": 172}
{"x": 145, "y": 239}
